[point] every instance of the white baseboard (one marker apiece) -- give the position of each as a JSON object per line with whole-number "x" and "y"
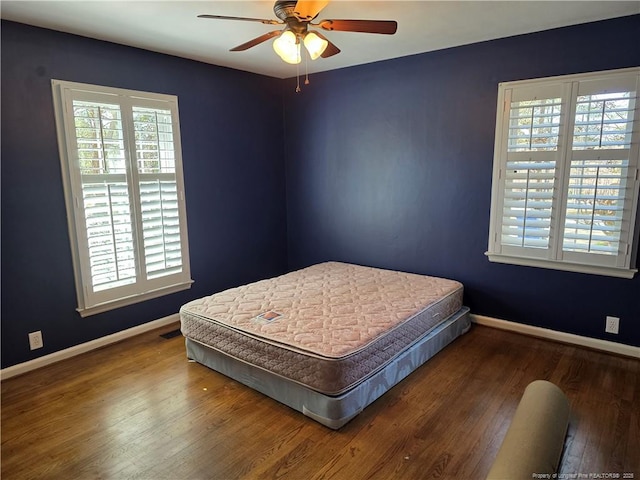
{"x": 39, "y": 362}
{"x": 595, "y": 343}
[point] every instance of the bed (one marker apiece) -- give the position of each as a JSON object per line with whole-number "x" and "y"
{"x": 326, "y": 340}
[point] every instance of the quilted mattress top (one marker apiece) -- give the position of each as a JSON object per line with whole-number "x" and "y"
{"x": 331, "y": 310}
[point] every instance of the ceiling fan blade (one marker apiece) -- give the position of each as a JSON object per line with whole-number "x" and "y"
{"x": 256, "y": 41}
{"x": 387, "y": 27}
{"x": 308, "y": 9}
{"x": 261, "y": 20}
{"x": 331, "y": 49}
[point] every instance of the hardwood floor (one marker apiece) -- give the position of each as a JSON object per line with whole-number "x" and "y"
{"x": 138, "y": 409}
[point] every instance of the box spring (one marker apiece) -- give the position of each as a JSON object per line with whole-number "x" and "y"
{"x": 333, "y": 411}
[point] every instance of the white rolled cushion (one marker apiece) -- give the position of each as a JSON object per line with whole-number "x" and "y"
{"x": 535, "y": 439}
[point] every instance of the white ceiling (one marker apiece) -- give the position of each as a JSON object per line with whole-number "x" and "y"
{"x": 172, "y": 27}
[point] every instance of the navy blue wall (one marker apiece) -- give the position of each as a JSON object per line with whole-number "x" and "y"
{"x": 389, "y": 164}
{"x": 233, "y": 167}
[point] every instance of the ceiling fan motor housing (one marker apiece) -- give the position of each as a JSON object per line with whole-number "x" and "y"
{"x": 284, "y": 10}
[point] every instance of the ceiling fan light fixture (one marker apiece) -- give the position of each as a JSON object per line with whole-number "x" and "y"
{"x": 315, "y": 45}
{"x": 287, "y": 47}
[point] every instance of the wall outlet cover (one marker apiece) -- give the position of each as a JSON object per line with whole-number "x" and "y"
{"x": 612, "y": 325}
{"x": 35, "y": 340}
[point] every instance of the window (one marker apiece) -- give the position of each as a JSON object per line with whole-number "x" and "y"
{"x": 565, "y": 176}
{"x": 122, "y": 172}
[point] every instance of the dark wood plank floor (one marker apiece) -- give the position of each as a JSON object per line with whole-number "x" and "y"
{"x": 138, "y": 409}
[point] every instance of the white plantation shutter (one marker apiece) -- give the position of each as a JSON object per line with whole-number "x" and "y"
{"x": 598, "y": 202}
{"x": 159, "y": 205}
{"x": 105, "y": 193}
{"x": 533, "y": 128}
{"x": 565, "y": 187}
{"x": 109, "y": 234}
{"x": 161, "y": 227}
{"x": 528, "y": 195}
{"x": 600, "y": 194}
{"x": 120, "y": 153}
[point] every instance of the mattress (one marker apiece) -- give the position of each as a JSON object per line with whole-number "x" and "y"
{"x": 328, "y": 327}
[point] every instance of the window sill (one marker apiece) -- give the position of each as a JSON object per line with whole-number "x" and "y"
{"x": 567, "y": 267}
{"x": 123, "y": 302}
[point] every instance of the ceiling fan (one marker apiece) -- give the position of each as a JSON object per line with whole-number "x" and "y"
{"x": 296, "y": 16}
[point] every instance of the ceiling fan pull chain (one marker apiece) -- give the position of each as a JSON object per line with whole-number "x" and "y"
{"x": 306, "y": 69}
{"x": 298, "y": 77}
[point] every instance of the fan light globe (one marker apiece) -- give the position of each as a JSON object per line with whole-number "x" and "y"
{"x": 287, "y": 47}
{"x": 314, "y": 45}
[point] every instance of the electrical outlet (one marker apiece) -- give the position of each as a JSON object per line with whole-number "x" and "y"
{"x": 612, "y": 325}
{"x": 35, "y": 340}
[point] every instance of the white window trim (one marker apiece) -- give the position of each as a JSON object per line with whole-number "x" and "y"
{"x": 184, "y": 281}
{"x": 502, "y": 254}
